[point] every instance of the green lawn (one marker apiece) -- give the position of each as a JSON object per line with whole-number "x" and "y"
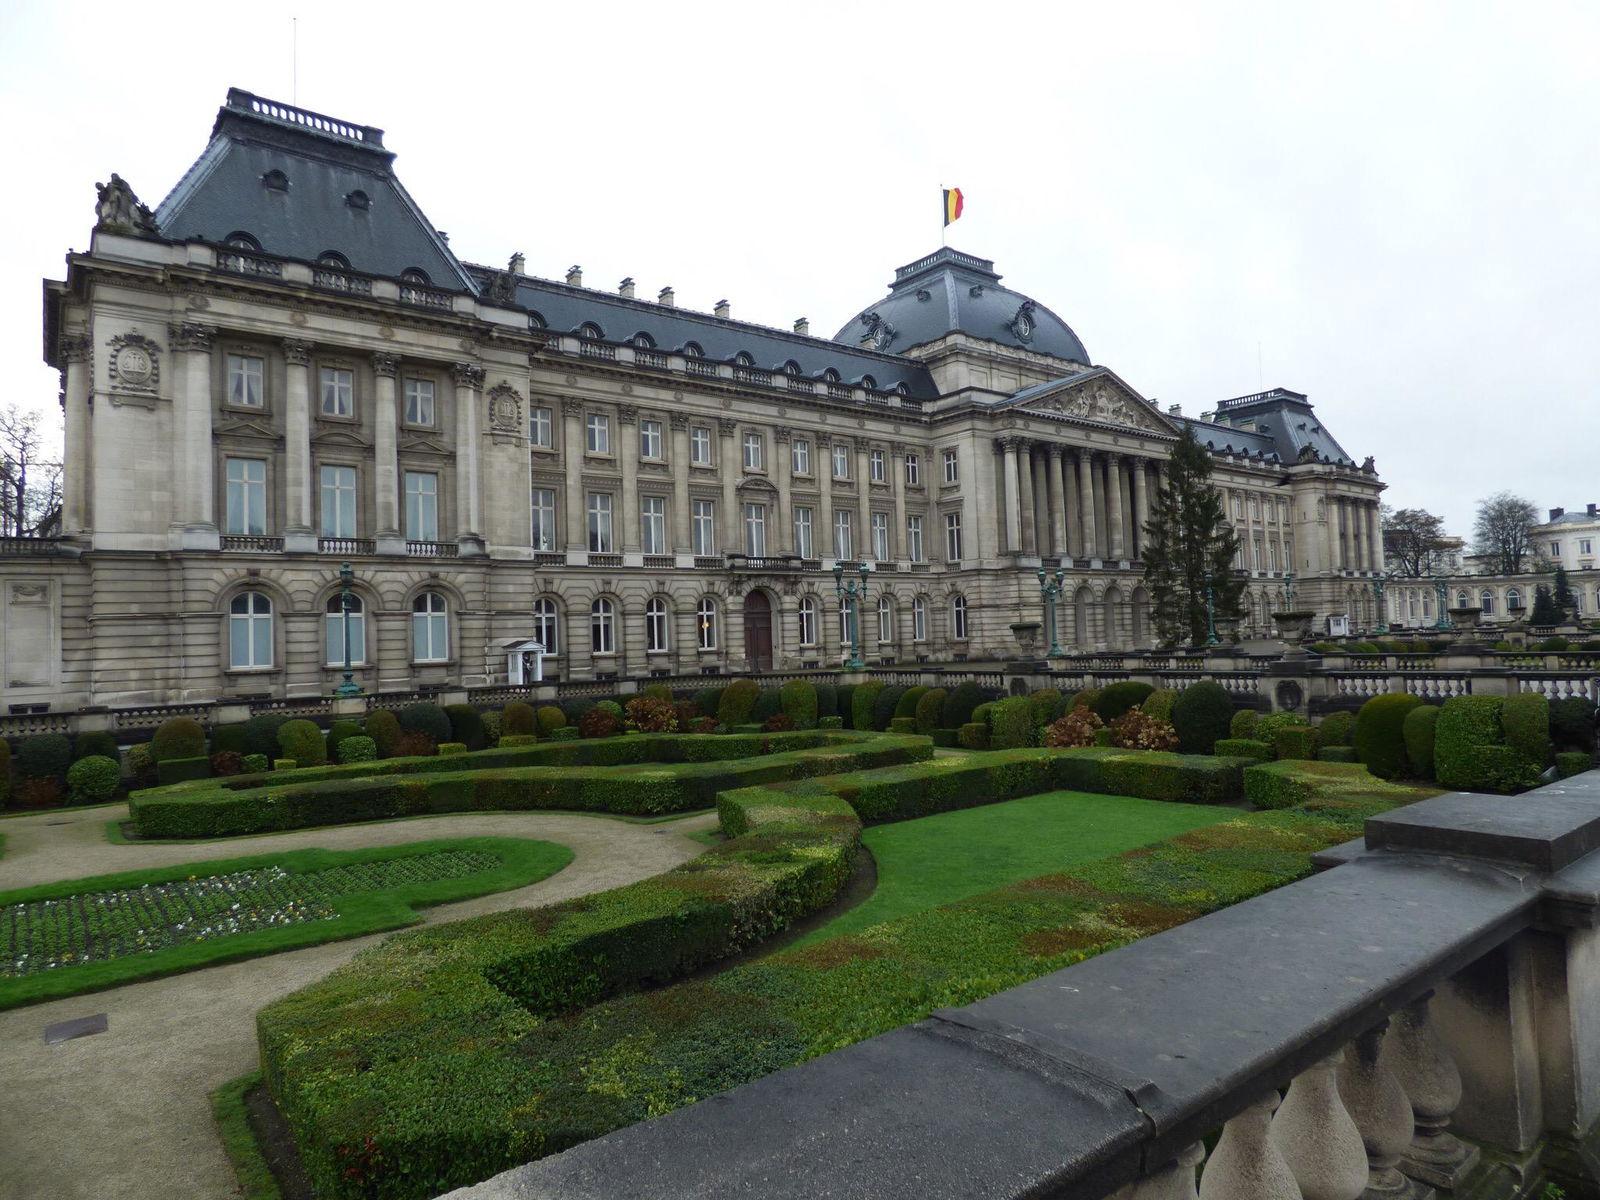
{"x": 935, "y": 860}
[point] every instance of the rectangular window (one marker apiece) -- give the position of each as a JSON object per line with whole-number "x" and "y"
{"x": 704, "y": 526}
{"x": 755, "y": 452}
{"x": 650, "y": 439}
{"x": 914, "y": 539}
{"x": 597, "y": 433}
{"x": 419, "y": 402}
{"x": 247, "y": 496}
{"x": 1272, "y": 556}
{"x": 841, "y": 462}
{"x": 876, "y": 467}
{"x": 544, "y": 519}
{"x": 338, "y": 485}
{"x": 919, "y": 620}
{"x": 952, "y": 467}
{"x": 1555, "y": 549}
{"x": 338, "y": 392}
{"x": 1256, "y": 562}
{"x": 880, "y": 536}
{"x": 540, "y": 428}
{"x": 247, "y": 380}
{"x": 802, "y": 532}
{"x": 913, "y": 470}
{"x": 1583, "y": 546}
{"x": 952, "y": 537}
{"x": 755, "y": 530}
{"x": 422, "y": 506}
{"x": 700, "y": 445}
{"x": 653, "y": 524}
{"x": 843, "y": 542}
{"x": 801, "y": 456}
{"x": 600, "y": 522}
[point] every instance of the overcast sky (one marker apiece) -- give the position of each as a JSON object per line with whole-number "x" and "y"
{"x": 1395, "y": 209}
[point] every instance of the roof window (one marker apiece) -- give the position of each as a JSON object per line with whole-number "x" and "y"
{"x": 275, "y": 181}
{"x": 359, "y": 200}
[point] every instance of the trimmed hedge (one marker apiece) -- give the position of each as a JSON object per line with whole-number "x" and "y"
{"x": 1201, "y": 714}
{"x": 178, "y": 737}
{"x": 1295, "y": 741}
{"x": 769, "y": 703}
{"x": 1417, "y": 731}
{"x": 863, "y": 702}
{"x": 383, "y": 727}
{"x": 907, "y": 705}
{"x": 518, "y": 717}
{"x": 302, "y": 741}
{"x": 737, "y": 702}
{"x": 551, "y": 719}
{"x": 1243, "y": 723}
{"x": 1324, "y": 785}
{"x": 1159, "y": 704}
{"x": 886, "y": 705}
{"x": 466, "y": 726}
{"x": 847, "y": 704}
{"x": 235, "y": 737}
{"x": 1245, "y": 748}
{"x": 827, "y": 700}
{"x": 45, "y": 756}
{"x": 97, "y": 743}
{"x": 337, "y": 733}
{"x": 974, "y": 735}
{"x": 958, "y": 705}
{"x": 930, "y": 710}
{"x": 1045, "y": 705}
{"x": 1337, "y": 729}
{"x": 1573, "y": 762}
{"x": 1525, "y": 720}
{"x": 1343, "y": 754}
{"x": 800, "y": 703}
{"x": 358, "y": 749}
{"x": 426, "y": 718}
{"x": 1380, "y": 740}
{"x": 1011, "y": 724}
{"x": 181, "y": 770}
{"x": 1466, "y": 726}
{"x": 1572, "y": 724}
{"x": 1117, "y": 698}
{"x": 903, "y": 725}
{"x": 93, "y": 780}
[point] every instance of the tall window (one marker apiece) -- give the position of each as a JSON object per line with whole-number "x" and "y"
{"x": 541, "y": 423}
{"x": 250, "y": 632}
{"x": 1513, "y": 599}
{"x": 703, "y": 526}
{"x": 653, "y": 524}
{"x": 919, "y": 619}
{"x": 958, "y": 617}
{"x": 600, "y": 522}
{"x": 544, "y": 519}
{"x": 913, "y": 470}
{"x": 601, "y": 618}
{"x": 876, "y": 467}
{"x": 847, "y": 621}
{"x": 1555, "y": 549}
{"x": 800, "y": 456}
{"x": 546, "y": 624}
{"x": 419, "y": 402}
{"x": 808, "y": 621}
{"x": 952, "y": 537}
{"x": 755, "y": 452}
{"x": 430, "y": 629}
{"x": 597, "y": 433}
{"x": 422, "y": 506}
{"x": 700, "y": 445}
{"x": 914, "y": 539}
{"x": 246, "y": 380}
{"x": 338, "y": 392}
{"x": 338, "y": 501}
{"x": 841, "y": 461}
{"x": 755, "y": 530}
{"x": 885, "y": 620}
{"x": 655, "y": 625}
{"x": 880, "y": 536}
{"x": 650, "y": 439}
{"x": 333, "y": 625}
{"x": 706, "y": 623}
{"x": 843, "y": 543}
{"x": 802, "y": 531}
{"x": 952, "y": 467}
{"x": 246, "y": 496}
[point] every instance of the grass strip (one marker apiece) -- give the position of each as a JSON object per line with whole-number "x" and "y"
{"x": 250, "y": 1167}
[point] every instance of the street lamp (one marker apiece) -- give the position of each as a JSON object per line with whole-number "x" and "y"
{"x": 1442, "y": 592}
{"x": 1051, "y": 591}
{"x": 347, "y": 601}
{"x": 1211, "y": 615}
{"x": 855, "y": 595}
{"x": 1288, "y": 591}
{"x": 1382, "y": 626}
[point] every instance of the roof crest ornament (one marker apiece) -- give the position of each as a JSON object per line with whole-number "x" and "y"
{"x": 117, "y": 209}
{"x": 879, "y": 332}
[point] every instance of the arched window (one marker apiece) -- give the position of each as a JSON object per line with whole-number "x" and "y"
{"x": 359, "y": 200}
{"x": 590, "y": 331}
{"x": 743, "y": 360}
{"x": 643, "y": 340}
{"x": 250, "y": 632}
{"x": 546, "y": 624}
{"x": 333, "y": 631}
{"x": 868, "y": 382}
{"x": 919, "y": 619}
{"x": 415, "y": 275}
{"x": 1486, "y": 601}
{"x": 601, "y": 618}
{"x": 332, "y": 258}
{"x": 275, "y": 181}
{"x": 792, "y": 368}
{"x": 706, "y": 623}
{"x": 536, "y": 321}
{"x": 240, "y": 240}
{"x": 430, "y": 629}
{"x": 958, "y": 617}
{"x": 808, "y": 621}
{"x": 847, "y": 617}
{"x": 655, "y": 625}
{"x": 693, "y": 350}
{"x": 885, "y": 619}
{"x": 1513, "y": 598}
{"x": 830, "y": 376}
{"x": 1462, "y": 600}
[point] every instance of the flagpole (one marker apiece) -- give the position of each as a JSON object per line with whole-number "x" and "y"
{"x": 944, "y": 225}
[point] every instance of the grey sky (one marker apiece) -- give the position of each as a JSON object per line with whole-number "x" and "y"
{"x": 1399, "y": 205}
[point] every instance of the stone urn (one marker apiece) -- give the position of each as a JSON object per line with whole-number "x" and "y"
{"x": 1466, "y": 622}
{"x": 1228, "y": 630}
{"x": 1294, "y": 628}
{"x": 1027, "y": 636}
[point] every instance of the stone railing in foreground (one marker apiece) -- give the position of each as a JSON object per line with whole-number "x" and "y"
{"x": 1430, "y": 1007}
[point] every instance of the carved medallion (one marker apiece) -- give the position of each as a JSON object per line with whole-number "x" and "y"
{"x": 135, "y": 363}
{"x": 505, "y": 409}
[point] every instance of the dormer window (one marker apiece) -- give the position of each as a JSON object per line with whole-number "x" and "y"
{"x": 830, "y": 376}
{"x": 869, "y": 383}
{"x": 239, "y": 240}
{"x": 415, "y": 275}
{"x": 591, "y": 332}
{"x": 643, "y": 341}
{"x": 275, "y": 181}
{"x": 742, "y": 359}
{"x": 792, "y": 368}
{"x": 692, "y": 350}
{"x": 358, "y": 200}
{"x": 333, "y": 260}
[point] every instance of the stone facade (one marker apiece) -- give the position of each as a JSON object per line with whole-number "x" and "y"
{"x": 502, "y": 458}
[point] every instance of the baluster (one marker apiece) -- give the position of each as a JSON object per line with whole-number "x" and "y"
{"x": 1175, "y": 1181}
{"x": 1246, "y": 1164}
{"x": 1381, "y": 1111}
{"x": 1421, "y": 1062}
{"x": 1318, "y": 1138}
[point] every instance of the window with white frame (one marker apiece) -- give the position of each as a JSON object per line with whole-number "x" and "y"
{"x": 800, "y": 456}
{"x": 1486, "y": 602}
{"x": 841, "y": 461}
{"x": 958, "y": 617}
{"x": 541, "y": 427}
{"x": 706, "y": 623}
{"x": 655, "y": 625}
{"x": 703, "y": 526}
{"x": 247, "y": 377}
{"x": 430, "y": 629}
{"x": 600, "y": 523}
{"x": 952, "y": 467}
{"x": 602, "y": 619}
{"x": 650, "y": 439}
{"x": 338, "y": 392}
{"x": 547, "y": 624}
{"x": 338, "y": 495}
{"x": 952, "y": 537}
{"x": 419, "y": 402}
{"x": 544, "y": 519}
{"x": 885, "y": 619}
{"x": 877, "y": 467}
{"x": 802, "y": 531}
{"x": 880, "y": 536}
{"x": 250, "y": 632}
{"x": 597, "y": 433}
{"x": 914, "y": 539}
{"x": 913, "y": 470}
{"x": 755, "y": 530}
{"x": 700, "y": 445}
{"x": 919, "y": 619}
{"x": 1555, "y": 549}
{"x": 1513, "y": 599}
{"x": 755, "y": 452}
{"x": 847, "y": 621}
{"x": 807, "y": 621}
{"x": 843, "y": 541}
{"x": 245, "y": 511}
{"x": 422, "y": 506}
{"x": 1584, "y": 545}
{"x": 334, "y": 623}
{"x": 653, "y": 524}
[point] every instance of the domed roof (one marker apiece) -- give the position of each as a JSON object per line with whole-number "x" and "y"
{"x": 949, "y": 290}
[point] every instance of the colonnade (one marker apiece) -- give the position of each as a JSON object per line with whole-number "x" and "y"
{"x": 1073, "y": 502}
{"x": 1355, "y": 538}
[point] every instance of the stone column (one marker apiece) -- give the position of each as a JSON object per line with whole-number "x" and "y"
{"x": 1141, "y": 507}
{"x": 863, "y": 532}
{"x": 1071, "y": 504}
{"x": 780, "y": 530}
{"x": 897, "y": 522}
{"x": 1175, "y": 1181}
{"x": 1055, "y": 477}
{"x": 1086, "y": 506}
{"x": 628, "y": 458}
{"x": 1114, "y": 512}
{"x": 1375, "y": 536}
{"x": 572, "y": 469}
{"x": 299, "y": 532}
{"x": 681, "y": 540}
{"x": 1330, "y": 531}
{"x": 78, "y": 353}
{"x": 1025, "y": 495}
{"x": 730, "y": 535}
{"x": 822, "y": 529}
{"x": 386, "y": 463}
{"x": 469, "y": 380}
{"x": 1041, "y": 500}
{"x": 1415, "y": 1053}
{"x": 1013, "y": 505}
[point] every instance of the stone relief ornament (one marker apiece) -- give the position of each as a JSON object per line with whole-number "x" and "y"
{"x": 1100, "y": 402}
{"x": 505, "y": 410}
{"x": 878, "y": 331}
{"x": 1023, "y": 324}
{"x": 135, "y": 364}
{"x": 118, "y": 210}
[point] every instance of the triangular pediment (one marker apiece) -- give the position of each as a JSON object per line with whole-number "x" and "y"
{"x": 422, "y": 445}
{"x": 340, "y": 437}
{"x": 245, "y": 428}
{"x": 1097, "y": 396}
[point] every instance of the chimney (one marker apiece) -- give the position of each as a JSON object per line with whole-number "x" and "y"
{"x": 1591, "y": 510}
{"x": 574, "y": 276}
{"x": 803, "y": 327}
{"x": 625, "y": 288}
{"x": 1556, "y": 513}
{"x": 518, "y": 264}
{"x": 721, "y": 310}
{"x": 666, "y": 296}
{"x": 1174, "y": 410}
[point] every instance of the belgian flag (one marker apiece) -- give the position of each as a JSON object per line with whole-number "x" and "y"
{"x": 952, "y": 204}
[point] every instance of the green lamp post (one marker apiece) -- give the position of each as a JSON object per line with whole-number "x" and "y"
{"x": 1441, "y": 591}
{"x": 1050, "y": 589}
{"x": 855, "y": 594}
{"x": 347, "y": 601}
{"x": 1382, "y": 626}
{"x": 1211, "y": 614}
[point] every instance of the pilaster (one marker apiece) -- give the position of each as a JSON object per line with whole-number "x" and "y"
{"x": 386, "y": 465}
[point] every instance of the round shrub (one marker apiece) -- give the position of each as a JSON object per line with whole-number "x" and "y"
{"x": 1138, "y": 730}
{"x": 1243, "y": 723}
{"x": 1158, "y": 704}
{"x": 426, "y": 718}
{"x": 906, "y": 706}
{"x": 707, "y": 700}
{"x": 302, "y": 741}
{"x": 884, "y": 706}
{"x": 1201, "y": 714}
{"x": 598, "y": 722}
{"x": 778, "y": 722}
{"x": 651, "y": 714}
{"x": 1117, "y": 698}
{"x": 466, "y": 726}
{"x": 980, "y": 715}
{"x": 1380, "y": 740}
{"x": 358, "y": 749}
{"x": 1337, "y": 729}
{"x": 1417, "y": 731}
{"x": 973, "y": 736}
{"x": 141, "y": 767}
{"x": 1011, "y": 724}
{"x": 1467, "y": 726}
{"x": 930, "y": 710}
{"x": 1045, "y": 704}
{"x": 768, "y": 703}
{"x": 1294, "y": 741}
{"x": 93, "y": 779}
{"x": 227, "y": 762}
{"x": 178, "y": 737}
{"x": 255, "y": 764}
{"x": 337, "y": 732}
{"x": 551, "y": 719}
{"x": 737, "y": 703}
{"x": 827, "y": 700}
{"x": 657, "y": 691}
{"x": 1076, "y": 728}
{"x": 799, "y": 697}
{"x": 518, "y": 717}
{"x": 414, "y": 743}
{"x": 1086, "y": 698}
{"x": 45, "y": 756}
{"x": 1572, "y": 724}
{"x": 862, "y": 703}
{"x": 958, "y": 705}
{"x": 1525, "y": 720}
{"x": 612, "y": 707}
{"x": 847, "y": 704}
{"x": 98, "y": 743}
{"x": 383, "y": 727}
{"x": 491, "y": 726}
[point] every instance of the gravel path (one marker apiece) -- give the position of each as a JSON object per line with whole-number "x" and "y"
{"x": 124, "y": 1115}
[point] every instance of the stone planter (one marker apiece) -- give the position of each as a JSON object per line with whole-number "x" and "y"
{"x": 1026, "y": 634}
{"x": 1466, "y": 623}
{"x": 1294, "y": 628}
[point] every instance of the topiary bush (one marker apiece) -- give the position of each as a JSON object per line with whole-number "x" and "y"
{"x": 1294, "y": 742}
{"x": 358, "y": 749}
{"x": 737, "y": 703}
{"x": 518, "y": 717}
{"x": 598, "y": 723}
{"x": 491, "y": 727}
{"x": 833, "y": 722}
{"x": 1343, "y": 754}
{"x": 706, "y": 700}
{"x": 930, "y": 710}
{"x": 302, "y": 741}
{"x": 973, "y": 736}
{"x": 958, "y": 705}
{"x": 1138, "y": 730}
{"x": 1076, "y": 727}
{"x": 181, "y": 770}
{"x": 903, "y": 725}
{"x": 1573, "y": 762}
{"x": 1243, "y": 723}
{"x": 256, "y": 764}
{"x": 1525, "y": 721}
{"x": 449, "y": 749}
{"x": 1417, "y": 731}
{"x": 383, "y": 727}
{"x": 827, "y": 700}
{"x": 413, "y": 743}
{"x": 178, "y": 737}
{"x": 981, "y": 713}
{"x": 847, "y": 704}
{"x": 1159, "y": 704}
{"x": 1117, "y": 698}
{"x": 768, "y": 704}
{"x": 337, "y": 732}
{"x": 799, "y": 697}
{"x": 862, "y": 703}
{"x": 426, "y": 718}
{"x": 1380, "y": 734}
{"x": 1046, "y": 706}
{"x": 1011, "y": 724}
{"x": 288, "y": 764}
{"x": 651, "y": 714}
{"x": 44, "y": 756}
{"x": 884, "y": 706}
{"x": 96, "y": 743}
{"x": 1244, "y": 748}
{"x": 1267, "y": 725}
{"x": 466, "y": 727}
{"x": 551, "y": 719}
{"x": 906, "y": 706}
{"x": 1337, "y": 729}
{"x": 656, "y": 691}
{"x": 1201, "y": 715}
{"x": 1086, "y": 698}
{"x": 1572, "y": 724}
{"x": 93, "y": 780}
{"x": 512, "y": 740}
{"x": 778, "y": 722}
{"x": 1467, "y": 726}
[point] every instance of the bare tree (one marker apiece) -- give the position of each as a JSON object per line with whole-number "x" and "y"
{"x": 1504, "y": 530}
{"x": 1412, "y": 539}
{"x": 30, "y": 482}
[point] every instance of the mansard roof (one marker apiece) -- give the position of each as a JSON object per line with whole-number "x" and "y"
{"x": 1276, "y": 421}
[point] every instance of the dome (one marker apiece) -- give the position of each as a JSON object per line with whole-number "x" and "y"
{"x": 949, "y": 291}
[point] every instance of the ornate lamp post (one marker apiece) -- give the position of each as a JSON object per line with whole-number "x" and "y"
{"x": 1211, "y": 614}
{"x": 1050, "y": 589}
{"x": 347, "y": 601}
{"x": 1288, "y": 590}
{"x": 1442, "y": 594}
{"x": 1382, "y": 626}
{"x": 855, "y": 594}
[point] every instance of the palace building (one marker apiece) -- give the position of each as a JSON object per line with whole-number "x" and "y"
{"x": 283, "y": 368}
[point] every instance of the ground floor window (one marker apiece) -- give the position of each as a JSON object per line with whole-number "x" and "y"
{"x": 334, "y": 627}
{"x": 430, "y": 629}
{"x": 250, "y": 632}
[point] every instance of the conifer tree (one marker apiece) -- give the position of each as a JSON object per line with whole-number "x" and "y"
{"x": 1188, "y": 540}
{"x": 1566, "y": 602}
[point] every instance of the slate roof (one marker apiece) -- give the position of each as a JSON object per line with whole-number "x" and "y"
{"x": 1282, "y": 421}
